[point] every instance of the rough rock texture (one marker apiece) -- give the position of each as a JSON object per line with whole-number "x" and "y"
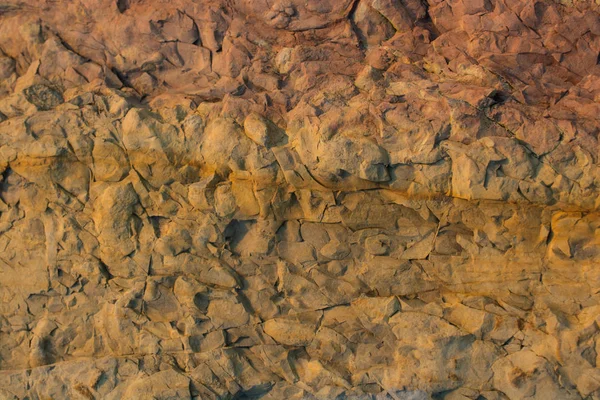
{"x": 295, "y": 199}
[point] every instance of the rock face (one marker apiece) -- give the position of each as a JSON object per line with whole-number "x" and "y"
{"x": 391, "y": 199}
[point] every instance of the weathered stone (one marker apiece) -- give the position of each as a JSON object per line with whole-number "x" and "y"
{"x": 295, "y": 199}
{"x": 262, "y": 132}
{"x": 289, "y": 332}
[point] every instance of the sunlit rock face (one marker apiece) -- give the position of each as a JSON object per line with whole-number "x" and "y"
{"x": 368, "y": 199}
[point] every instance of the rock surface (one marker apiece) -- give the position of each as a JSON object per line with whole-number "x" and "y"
{"x": 391, "y": 199}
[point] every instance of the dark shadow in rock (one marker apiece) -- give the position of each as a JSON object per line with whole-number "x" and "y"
{"x": 235, "y": 232}
{"x": 255, "y": 392}
{"x": 122, "y": 5}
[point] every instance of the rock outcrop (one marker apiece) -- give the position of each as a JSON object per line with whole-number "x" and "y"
{"x": 392, "y": 199}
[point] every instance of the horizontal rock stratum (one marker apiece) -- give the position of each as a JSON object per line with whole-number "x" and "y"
{"x": 285, "y": 199}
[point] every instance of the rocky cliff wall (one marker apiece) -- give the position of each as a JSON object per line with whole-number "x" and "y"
{"x": 337, "y": 199}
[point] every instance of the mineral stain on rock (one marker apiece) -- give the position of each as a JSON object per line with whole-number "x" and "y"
{"x": 369, "y": 199}
{"x": 43, "y": 97}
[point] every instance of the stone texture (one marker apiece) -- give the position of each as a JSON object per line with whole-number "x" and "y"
{"x": 382, "y": 199}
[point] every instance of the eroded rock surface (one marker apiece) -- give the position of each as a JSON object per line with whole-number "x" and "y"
{"x": 392, "y": 199}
